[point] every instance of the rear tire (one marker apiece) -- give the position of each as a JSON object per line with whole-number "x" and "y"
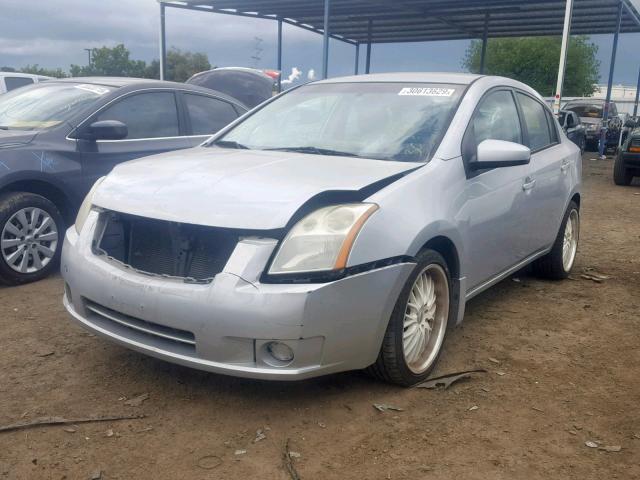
{"x": 557, "y": 264}
{"x": 31, "y": 234}
{"x": 621, "y": 176}
{"x": 418, "y": 325}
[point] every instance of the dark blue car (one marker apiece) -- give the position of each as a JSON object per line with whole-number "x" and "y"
{"x": 57, "y": 138}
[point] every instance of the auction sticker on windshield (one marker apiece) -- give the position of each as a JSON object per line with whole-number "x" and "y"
{"x": 427, "y": 92}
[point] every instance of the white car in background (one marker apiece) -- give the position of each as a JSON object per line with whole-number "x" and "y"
{"x": 12, "y": 80}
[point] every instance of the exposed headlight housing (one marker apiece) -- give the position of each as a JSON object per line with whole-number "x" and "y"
{"x": 322, "y": 240}
{"x": 85, "y": 208}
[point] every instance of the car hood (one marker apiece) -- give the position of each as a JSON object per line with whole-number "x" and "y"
{"x": 15, "y": 138}
{"x": 245, "y": 189}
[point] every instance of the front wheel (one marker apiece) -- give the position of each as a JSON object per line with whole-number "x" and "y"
{"x": 30, "y": 237}
{"x": 557, "y": 264}
{"x": 418, "y": 325}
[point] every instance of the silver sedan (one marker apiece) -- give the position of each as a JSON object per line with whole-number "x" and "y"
{"x": 341, "y": 225}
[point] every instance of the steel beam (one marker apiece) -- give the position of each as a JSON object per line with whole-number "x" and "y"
{"x": 564, "y": 47}
{"x": 367, "y": 68}
{"x": 605, "y": 116}
{"x": 163, "y": 44}
{"x": 357, "y": 64}
{"x": 280, "y": 54}
{"x": 485, "y": 38}
{"x": 635, "y": 106}
{"x": 325, "y": 41}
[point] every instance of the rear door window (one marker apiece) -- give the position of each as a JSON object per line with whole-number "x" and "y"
{"x": 207, "y": 114}
{"x": 147, "y": 115}
{"x": 536, "y": 121}
{"x": 16, "y": 82}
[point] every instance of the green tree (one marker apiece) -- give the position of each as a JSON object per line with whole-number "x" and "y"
{"x": 180, "y": 65}
{"x": 534, "y": 61}
{"x": 49, "y": 72}
{"x": 111, "y": 62}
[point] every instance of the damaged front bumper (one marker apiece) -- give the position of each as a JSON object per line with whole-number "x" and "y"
{"x": 224, "y": 326}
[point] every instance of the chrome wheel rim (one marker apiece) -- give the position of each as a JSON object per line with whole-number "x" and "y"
{"x": 425, "y": 318}
{"x": 570, "y": 240}
{"x": 29, "y": 240}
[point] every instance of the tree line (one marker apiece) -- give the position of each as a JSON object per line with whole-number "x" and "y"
{"x": 116, "y": 62}
{"x": 532, "y": 60}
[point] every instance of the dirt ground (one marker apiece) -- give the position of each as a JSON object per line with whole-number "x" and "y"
{"x": 568, "y": 373}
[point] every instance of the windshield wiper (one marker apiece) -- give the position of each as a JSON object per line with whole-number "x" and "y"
{"x": 230, "y": 144}
{"x": 314, "y": 151}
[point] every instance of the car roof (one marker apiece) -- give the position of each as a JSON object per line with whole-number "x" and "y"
{"x": 412, "y": 77}
{"x": 129, "y": 84}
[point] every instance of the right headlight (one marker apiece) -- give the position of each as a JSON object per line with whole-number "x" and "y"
{"x": 85, "y": 208}
{"x": 322, "y": 240}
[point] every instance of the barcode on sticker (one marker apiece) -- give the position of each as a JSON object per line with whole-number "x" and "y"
{"x": 427, "y": 92}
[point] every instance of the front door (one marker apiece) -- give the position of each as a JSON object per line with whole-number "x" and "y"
{"x": 153, "y": 126}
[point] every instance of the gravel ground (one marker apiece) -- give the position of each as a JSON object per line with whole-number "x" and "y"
{"x": 562, "y": 359}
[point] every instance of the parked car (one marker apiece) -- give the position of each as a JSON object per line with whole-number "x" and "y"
{"x": 248, "y": 85}
{"x": 58, "y": 137}
{"x": 341, "y": 225}
{"x": 572, "y": 126}
{"x": 12, "y": 80}
{"x": 627, "y": 162}
{"x": 591, "y": 116}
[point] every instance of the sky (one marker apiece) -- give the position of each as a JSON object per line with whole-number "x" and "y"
{"x": 54, "y": 33}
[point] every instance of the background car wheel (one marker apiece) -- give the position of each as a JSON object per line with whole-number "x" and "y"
{"x": 557, "y": 264}
{"x": 418, "y": 325}
{"x": 31, "y": 233}
{"x": 621, "y": 175}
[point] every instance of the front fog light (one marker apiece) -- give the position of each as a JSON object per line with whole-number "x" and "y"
{"x": 280, "y": 351}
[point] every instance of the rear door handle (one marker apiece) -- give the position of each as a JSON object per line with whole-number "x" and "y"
{"x": 565, "y": 166}
{"x": 528, "y": 184}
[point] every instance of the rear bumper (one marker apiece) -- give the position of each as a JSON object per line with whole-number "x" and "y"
{"x": 330, "y": 327}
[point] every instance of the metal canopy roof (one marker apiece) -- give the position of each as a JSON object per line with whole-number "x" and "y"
{"x": 390, "y": 21}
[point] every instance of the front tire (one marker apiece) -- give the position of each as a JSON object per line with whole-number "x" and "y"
{"x": 557, "y": 264}
{"x": 621, "y": 175}
{"x": 31, "y": 229}
{"x": 415, "y": 334}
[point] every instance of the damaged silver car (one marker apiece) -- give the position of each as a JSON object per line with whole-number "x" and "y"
{"x": 341, "y": 225}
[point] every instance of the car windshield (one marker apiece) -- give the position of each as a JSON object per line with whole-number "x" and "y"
{"x": 46, "y": 105}
{"x": 592, "y": 111}
{"x": 384, "y": 121}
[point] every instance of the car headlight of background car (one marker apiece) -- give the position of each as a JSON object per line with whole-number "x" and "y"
{"x": 322, "y": 240}
{"x": 85, "y": 208}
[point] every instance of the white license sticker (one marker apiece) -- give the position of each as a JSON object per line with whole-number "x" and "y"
{"x": 426, "y": 92}
{"x": 93, "y": 88}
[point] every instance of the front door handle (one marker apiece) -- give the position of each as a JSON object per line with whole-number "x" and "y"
{"x": 528, "y": 184}
{"x": 565, "y": 166}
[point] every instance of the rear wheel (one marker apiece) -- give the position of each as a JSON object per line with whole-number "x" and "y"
{"x": 418, "y": 325}
{"x": 30, "y": 237}
{"x": 621, "y": 174}
{"x": 557, "y": 264}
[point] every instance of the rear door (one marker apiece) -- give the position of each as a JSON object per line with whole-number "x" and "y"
{"x": 155, "y": 126}
{"x": 550, "y": 164}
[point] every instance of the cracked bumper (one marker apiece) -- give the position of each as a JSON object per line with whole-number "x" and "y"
{"x": 330, "y": 327}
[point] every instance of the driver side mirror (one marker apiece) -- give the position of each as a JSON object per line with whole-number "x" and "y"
{"x": 570, "y": 122}
{"x": 105, "y": 130}
{"x": 498, "y": 153}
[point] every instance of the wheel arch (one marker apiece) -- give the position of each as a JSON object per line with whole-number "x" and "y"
{"x": 45, "y": 188}
{"x": 447, "y": 248}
